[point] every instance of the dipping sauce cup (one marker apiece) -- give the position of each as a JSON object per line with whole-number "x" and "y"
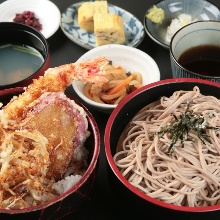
{"x": 195, "y": 51}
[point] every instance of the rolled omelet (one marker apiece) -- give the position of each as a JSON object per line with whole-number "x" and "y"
{"x": 86, "y": 12}
{"x": 108, "y": 29}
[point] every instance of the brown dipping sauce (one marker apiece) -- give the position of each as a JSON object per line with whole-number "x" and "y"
{"x": 203, "y": 59}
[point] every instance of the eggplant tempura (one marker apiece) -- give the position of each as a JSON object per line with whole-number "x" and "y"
{"x": 42, "y": 133}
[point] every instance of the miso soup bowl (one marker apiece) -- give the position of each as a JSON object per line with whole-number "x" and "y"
{"x": 71, "y": 202}
{"x": 196, "y": 34}
{"x": 130, "y": 199}
{"x": 23, "y": 35}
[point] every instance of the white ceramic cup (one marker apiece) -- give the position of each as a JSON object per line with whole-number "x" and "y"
{"x": 192, "y": 35}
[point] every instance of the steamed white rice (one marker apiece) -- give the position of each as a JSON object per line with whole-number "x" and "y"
{"x": 66, "y": 183}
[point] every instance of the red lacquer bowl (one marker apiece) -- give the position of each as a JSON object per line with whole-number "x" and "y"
{"x": 20, "y": 34}
{"x": 129, "y": 198}
{"x": 74, "y": 199}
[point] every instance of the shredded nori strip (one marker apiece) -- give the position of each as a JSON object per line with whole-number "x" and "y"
{"x": 179, "y": 130}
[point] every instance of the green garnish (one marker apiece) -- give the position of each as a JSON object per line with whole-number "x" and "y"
{"x": 21, "y": 49}
{"x": 4, "y": 46}
{"x": 180, "y": 129}
{"x": 25, "y": 50}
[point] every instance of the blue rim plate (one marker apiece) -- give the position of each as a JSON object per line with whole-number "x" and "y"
{"x": 134, "y": 30}
{"x": 198, "y": 9}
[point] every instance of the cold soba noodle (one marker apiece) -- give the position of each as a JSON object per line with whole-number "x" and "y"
{"x": 183, "y": 170}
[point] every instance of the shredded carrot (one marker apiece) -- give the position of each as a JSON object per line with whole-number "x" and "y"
{"x": 118, "y": 67}
{"x": 120, "y": 86}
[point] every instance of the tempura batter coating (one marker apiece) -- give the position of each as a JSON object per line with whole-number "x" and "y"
{"x": 57, "y": 80}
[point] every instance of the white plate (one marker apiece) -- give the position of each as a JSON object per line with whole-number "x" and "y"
{"x": 46, "y": 11}
{"x": 134, "y": 30}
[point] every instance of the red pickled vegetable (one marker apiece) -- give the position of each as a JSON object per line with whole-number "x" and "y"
{"x": 28, "y": 18}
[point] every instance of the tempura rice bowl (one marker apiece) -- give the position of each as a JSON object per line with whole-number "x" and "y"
{"x": 131, "y": 199}
{"x": 71, "y": 200}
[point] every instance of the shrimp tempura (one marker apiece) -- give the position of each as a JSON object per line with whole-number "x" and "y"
{"x": 57, "y": 80}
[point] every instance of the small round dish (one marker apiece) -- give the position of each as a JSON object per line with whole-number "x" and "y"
{"x": 197, "y": 9}
{"x": 131, "y": 59}
{"x": 44, "y": 10}
{"x": 134, "y": 30}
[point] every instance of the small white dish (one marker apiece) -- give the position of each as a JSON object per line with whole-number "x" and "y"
{"x": 134, "y": 30}
{"x": 198, "y": 9}
{"x": 44, "y": 10}
{"x": 129, "y": 58}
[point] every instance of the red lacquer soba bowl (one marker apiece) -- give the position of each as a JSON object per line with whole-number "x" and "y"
{"x": 70, "y": 202}
{"x": 126, "y": 180}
